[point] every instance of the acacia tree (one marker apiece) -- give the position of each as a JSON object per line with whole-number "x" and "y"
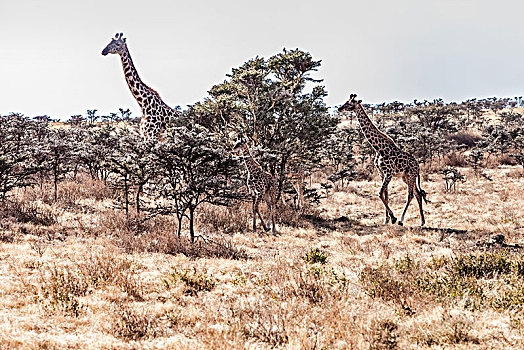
{"x": 130, "y": 163}
{"x": 266, "y": 101}
{"x": 19, "y": 153}
{"x": 193, "y": 168}
{"x": 58, "y": 152}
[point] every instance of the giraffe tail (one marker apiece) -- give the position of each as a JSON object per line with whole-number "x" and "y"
{"x": 421, "y": 191}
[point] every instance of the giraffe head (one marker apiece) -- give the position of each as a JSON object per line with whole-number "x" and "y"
{"x": 350, "y": 105}
{"x": 238, "y": 148}
{"x": 117, "y": 45}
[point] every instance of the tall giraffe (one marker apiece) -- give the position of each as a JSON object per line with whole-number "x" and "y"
{"x": 155, "y": 112}
{"x": 389, "y": 161}
{"x": 261, "y": 185}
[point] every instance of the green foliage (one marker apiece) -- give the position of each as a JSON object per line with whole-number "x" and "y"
{"x": 265, "y": 101}
{"x": 315, "y": 256}
{"x": 62, "y": 287}
{"x": 195, "y": 281}
{"x": 467, "y": 278}
{"x": 19, "y": 152}
{"x": 485, "y": 265}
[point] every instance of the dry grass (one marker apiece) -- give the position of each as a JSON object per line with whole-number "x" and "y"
{"x": 79, "y": 274}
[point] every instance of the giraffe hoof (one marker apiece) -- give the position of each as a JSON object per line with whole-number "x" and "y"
{"x": 400, "y": 223}
{"x": 393, "y": 220}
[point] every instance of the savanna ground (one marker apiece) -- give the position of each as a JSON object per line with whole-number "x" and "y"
{"x": 78, "y": 274}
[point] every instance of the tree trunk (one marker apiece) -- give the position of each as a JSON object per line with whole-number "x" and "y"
{"x": 55, "y": 178}
{"x": 281, "y": 177}
{"x": 191, "y": 224}
{"x": 138, "y": 192}
{"x": 126, "y": 196}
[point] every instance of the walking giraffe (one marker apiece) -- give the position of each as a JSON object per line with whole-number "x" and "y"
{"x": 389, "y": 161}
{"x": 260, "y": 184}
{"x": 155, "y": 112}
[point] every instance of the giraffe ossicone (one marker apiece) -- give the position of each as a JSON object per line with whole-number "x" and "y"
{"x": 390, "y": 161}
{"x": 155, "y": 112}
{"x": 261, "y": 186}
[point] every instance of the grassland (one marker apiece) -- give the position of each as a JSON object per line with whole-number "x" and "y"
{"x": 78, "y": 274}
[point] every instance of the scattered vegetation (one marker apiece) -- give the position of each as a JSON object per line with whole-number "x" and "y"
{"x": 132, "y": 244}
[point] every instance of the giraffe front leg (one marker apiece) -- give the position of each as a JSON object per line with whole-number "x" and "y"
{"x": 255, "y": 210}
{"x": 383, "y": 196}
{"x": 260, "y": 215}
{"x": 272, "y": 215}
{"x": 386, "y": 219}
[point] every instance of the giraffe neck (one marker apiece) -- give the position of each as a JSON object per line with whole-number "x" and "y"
{"x": 252, "y": 165}
{"x": 375, "y": 137}
{"x": 136, "y": 85}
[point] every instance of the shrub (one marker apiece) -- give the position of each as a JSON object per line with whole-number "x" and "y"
{"x": 61, "y": 287}
{"x": 485, "y": 265}
{"x": 134, "y": 323}
{"x": 195, "y": 281}
{"x": 316, "y": 255}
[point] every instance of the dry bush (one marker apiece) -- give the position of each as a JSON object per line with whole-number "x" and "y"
{"x": 104, "y": 268}
{"x": 455, "y": 159}
{"x": 134, "y": 323}
{"x": 263, "y": 319}
{"x": 59, "y": 287}
{"x": 480, "y": 280}
{"x": 226, "y": 219}
{"x": 506, "y": 159}
{"x": 515, "y": 173}
{"x": 466, "y": 139}
{"x": 157, "y": 234}
{"x": 70, "y": 192}
{"x": 22, "y": 211}
{"x": 194, "y": 280}
{"x": 383, "y": 335}
{"x": 314, "y": 283}
{"x": 448, "y": 329}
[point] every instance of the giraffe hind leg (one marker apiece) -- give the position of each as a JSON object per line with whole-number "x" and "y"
{"x": 419, "y": 200}
{"x": 384, "y": 197}
{"x": 410, "y": 182}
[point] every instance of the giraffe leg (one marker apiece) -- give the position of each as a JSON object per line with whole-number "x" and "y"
{"x": 384, "y": 197}
{"x": 408, "y": 200}
{"x": 260, "y": 215}
{"x": 410, "y": 182}
{"x": 272, "y": 215}
{"x": 255, "y": 210}
{"x": 419, "y": 200}
{"x": 381, "y": 173}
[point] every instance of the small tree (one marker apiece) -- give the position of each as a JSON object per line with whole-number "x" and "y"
{"x": 193, "y": 169}
{"x": 475, "y": 158}
{"x": 18, "y": 153}
{"x": 58, "y": 150}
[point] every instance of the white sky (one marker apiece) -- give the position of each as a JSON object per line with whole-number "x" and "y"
{"x": 384, "y": 50}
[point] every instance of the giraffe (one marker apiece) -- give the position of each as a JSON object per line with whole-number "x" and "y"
{"x": 261, "y": 185}
{"x": 389, "y": 161}
{"x": 155, "y": 112}
{"x": 297, "y": 178}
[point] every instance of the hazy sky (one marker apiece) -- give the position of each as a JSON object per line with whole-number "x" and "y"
{"x": 384, "y": 50}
